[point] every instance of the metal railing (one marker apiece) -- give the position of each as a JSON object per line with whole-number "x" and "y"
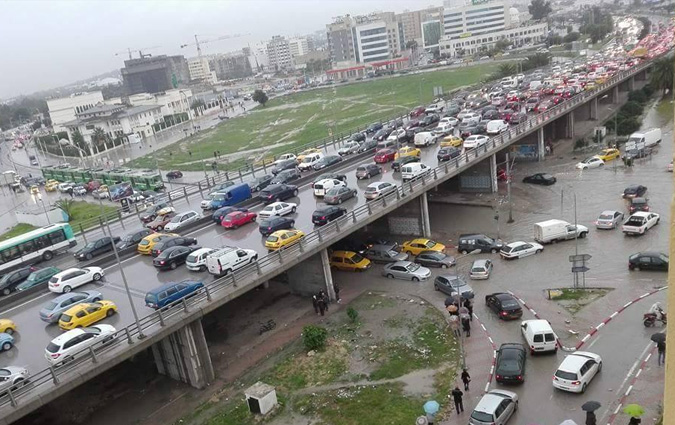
{"x": 206, "y": 299}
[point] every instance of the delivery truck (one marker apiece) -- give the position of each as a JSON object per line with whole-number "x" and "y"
{"x": 644, "y": 139}
{"x": 552, "y": 231}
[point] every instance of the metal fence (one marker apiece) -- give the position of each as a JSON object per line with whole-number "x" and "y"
{"x": 206, "y": 299}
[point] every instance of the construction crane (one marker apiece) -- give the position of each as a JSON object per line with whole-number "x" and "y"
{"x": 140, "y": 51}
{"x": 199, "y": 43}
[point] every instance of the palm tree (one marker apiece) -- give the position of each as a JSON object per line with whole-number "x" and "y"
{"x": 662, "y": 74}
{"x": 506, "y": 69}
{"x": 98, "y": 138}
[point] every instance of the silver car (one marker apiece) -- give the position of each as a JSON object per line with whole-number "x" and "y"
{"x": 51, "y": 312}
{"x": 609, "y": 219}
{"x": 406, "y": 270}
{"x": 481, "y": 269}
{"x": 452, "y": 285}
{"x": 495, "y": 408}
{"x": 13, "y": 376}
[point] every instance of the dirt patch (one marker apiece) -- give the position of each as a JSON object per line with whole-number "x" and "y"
{"x": 573, "y": 300}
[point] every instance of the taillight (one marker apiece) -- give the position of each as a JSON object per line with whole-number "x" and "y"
{"x": 55, "y": 355}
{"x": 161, "y": 262}
{"x": 499, "y": 376}
{"x": 576, "y": 383}
{"x": 323, "y": 218}
{"x": 520, "y": 377}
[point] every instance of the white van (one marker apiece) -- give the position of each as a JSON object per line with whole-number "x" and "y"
{"x": 413, "y": 170}
{"x": 309, "y": 161}
{"x": 229, "y": 259}
{"x": 539, "y": 336}
{"x": 645, "y": 138}
{"x": 496, "y": 126}
{"x": 385, "y": 144}
{"x": 534, "y": 85}
{"x": 425, "y": 138}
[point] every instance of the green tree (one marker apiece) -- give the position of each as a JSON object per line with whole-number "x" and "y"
{"x": 570, "y": 37}
{"x": 98, "y": 139}
{"x": 260, "y": 97}
{"x": 536, "y": 61}
{"x": 502, "y": 44}
{"x": 314, "y": 337}
{"x": 554, "y": 40}
{"x": 662, "y": 74}
{"x": 78, "y": 140}
{"x": 539, "y": 9}
{"x": 66, "y": 205}
{"x": 631, "y": 108}
{"x": 505, "y": 70}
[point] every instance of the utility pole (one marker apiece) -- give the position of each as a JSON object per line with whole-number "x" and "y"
{"x": 508, "y": 188}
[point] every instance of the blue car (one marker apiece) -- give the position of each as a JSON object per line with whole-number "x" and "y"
{"x": 6, "y": 342}
{"x": 222, "y": 212}
{"x": 171, "y": 292}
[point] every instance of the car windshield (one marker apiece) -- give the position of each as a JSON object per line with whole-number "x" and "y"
{"x": 635, "y": 221}
{"x": 333, "y": 191}
{"x": 477, "y": 270}
{"x": 89, "y": 245}
{"x": 53, "y": 348}
{"x": 606, "y": 216}
{"x": 509, "y": 304}
{"x": 412, "y": 267}
{"x": 307, "y": 159}
{"x": 176, "y": 219}
{"x": 664, "y": 258}
{"x": 570, "y": 376}
{"x": 356, "y": 258}
{"x": 481, "y": 416}
{"x": 272, "y": 238}
{"x": 371, "y": 189}
{"x": 51, "y": 306}
{"x": 430, "y": 244}
{"x": 65, "y": 318}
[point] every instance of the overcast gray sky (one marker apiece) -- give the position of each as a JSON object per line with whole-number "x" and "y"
{"x": 46, "y": 44}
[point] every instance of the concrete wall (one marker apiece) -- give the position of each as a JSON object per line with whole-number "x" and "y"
{"x": 39, "y": 219}
{"x": 307, "y": 278}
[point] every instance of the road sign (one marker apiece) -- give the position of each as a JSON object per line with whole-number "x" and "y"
{"x": 580, "y": 257}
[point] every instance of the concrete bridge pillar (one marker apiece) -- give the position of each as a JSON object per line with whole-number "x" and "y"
{"x": 631, "y": 83}
{"x": 312, "y": 276}
{"x": 570, "y": 125}
{"x": 615, "y": 94}
{"x": 493, "y": 173}
{"x": 593, "y": 115}
{"x": 184, "y": 356}
{"x": 424, "y": 212}
{"x": 541, "y": 148}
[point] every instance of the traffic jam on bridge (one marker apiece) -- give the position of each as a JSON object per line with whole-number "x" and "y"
{"x": 85, "y": 304}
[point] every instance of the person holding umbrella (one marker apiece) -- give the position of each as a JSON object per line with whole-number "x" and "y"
{"x": 634, "y": 411}
{"x": 431, "y": 407}
{"x": 660, "y": 340}
{"x": 590, "y": 407}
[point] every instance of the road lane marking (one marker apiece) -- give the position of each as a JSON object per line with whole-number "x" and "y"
{"x": 630, "y": 388}
{"x": 594, "y": 341}
{"x": 24, "y": 303}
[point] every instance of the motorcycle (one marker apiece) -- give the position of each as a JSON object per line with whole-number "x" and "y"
{"x": 649, "y": 319}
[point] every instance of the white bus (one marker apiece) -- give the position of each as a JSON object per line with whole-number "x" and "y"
{"x": 36, "y": 245}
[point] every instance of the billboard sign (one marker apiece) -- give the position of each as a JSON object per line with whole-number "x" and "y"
{"x": 119, "y": 191}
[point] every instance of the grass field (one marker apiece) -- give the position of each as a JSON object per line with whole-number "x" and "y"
{"x": 17, "y": 230}
{"x": 291, "y": 121}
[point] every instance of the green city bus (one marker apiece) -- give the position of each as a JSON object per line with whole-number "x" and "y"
{"x": 36, "y": 245}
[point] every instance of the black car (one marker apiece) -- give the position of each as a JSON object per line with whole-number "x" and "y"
{"x": 358, "y": 137}
{"x": 505, "y": 305}
{"x": 383, "y": 133}
{"x": 397, "y": 164}
{"x": 648, "y": 260}
{"x": 10, "y": 280}
{"x": 372, "y": 128}
{"x": 323, "y": 215}
{"x": 286, "y": 176}
{"x": 481, "y": 128}
{"x": 634, "y": 191}
{"x": 368, "y": 145}
{"x": 468, "y": 130}
{"x": 429, "y": 120}
{"x": 259, "y": 183}
{"x": 446, "y": 154}
{"x": 490, "y": 114}
{"x": 336, "y": 176}
{"x": 175, "y": 174}
{"x": 131, "y": 240}
{"x": 518, "y": 117}
{"x": 96, "y": 247}
{"x": 150, "y": 214}
{"x": 326, "y": 161}
{"x": 435, "y": 259}
{"x": 164, "y": 244}
{"x": 287, "y": 164}
{"x": 173, "y": 257}
{"x": 638, "y": 204}
{"x": 277, "y": 192}
{"x": 544, "y": 179}
{"x": 350, "y": 245}
{"x": 218, "y": 214}
{"x": 452, "y": 110}
{"x": 510, "y": 363}
{"x": 272, "y": 224}
{"x": 413, "y": 124}
{"x": 367, "y": 171}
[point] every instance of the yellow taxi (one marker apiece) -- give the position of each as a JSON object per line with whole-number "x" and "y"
{"x": 407, "y": 151}
{"x": 86, "y": 314}
{"x": 282, "y": 238}
{"x": 306, "y": 152}
{"x": 452, "y": 141}
{"x": 51, "y": 185}
{"x": 590, "y": 86}
{"x": 609, "y": 154}
{"x": 34, "y": 190}
{"x": 7, "y": 326}
{"x": 415, "y": 246}
{"x": 103, "y": 188}
{"x": 147, "y": 243}
{"x": 348, "y": 260}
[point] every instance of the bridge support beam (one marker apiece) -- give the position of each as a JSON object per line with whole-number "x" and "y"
{"x": 631, "y": 83}
{"x": 570, "y": 126}
{"x": 615, "y": 94}
{"x": 593, "y": 109}
{"x": 312, "y": 276}
{"x": 424, "y": 212}
{"x": 541, "y": 148}
{"x": 184, "y": 356}
{"x": 493, "y": 173}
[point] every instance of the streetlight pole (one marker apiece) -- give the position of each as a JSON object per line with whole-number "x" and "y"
{"x": 508, "y": 188}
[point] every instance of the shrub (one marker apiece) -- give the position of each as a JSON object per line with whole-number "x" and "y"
{"x": 627, "y": 126}
{"x": 580, "y": 144}
{"x": 648, "y": 90}
{"x": 637, "y": 96}
{"x": 314, "y": 337}
{"x": 353, "y": 314}
{"x": 632, "y": 108}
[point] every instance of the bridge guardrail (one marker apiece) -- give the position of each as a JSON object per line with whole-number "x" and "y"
{"x": 181, "y": 311}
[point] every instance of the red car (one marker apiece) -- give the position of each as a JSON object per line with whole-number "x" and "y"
{"x": 384, "y": 155}
{"x": 160, "y": 222}
{"x": 92, "y": 185}
{"x": 556, "y": 100}
{"x": 548, "y": 90}
{"x": 513, "y": 106}
{"x": 543, "y": 107}
{"x": 238, "y": 218}
{"x": 506, "y": 114}
{"x": 417, "y": 111}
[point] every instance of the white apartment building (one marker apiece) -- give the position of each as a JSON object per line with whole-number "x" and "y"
{"x": 279, "y": 53}
{"x": 200, "y": 70}
{"x": 298, "y": 46}
{"x": 477, "y": 18}
{"x": 64, "y": 109}
{"x": 372, "y": 44}
{"x": 257, "y": 57}
{"x": 470, "y": 44}
{"x": 171, "y": 102}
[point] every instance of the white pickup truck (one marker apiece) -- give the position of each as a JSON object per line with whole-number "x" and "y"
{"x": 640, "y": 222}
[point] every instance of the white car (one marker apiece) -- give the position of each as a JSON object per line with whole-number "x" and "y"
{"x": 396, "y": 134}
{"x": 609, "y": 219}
{"x": 497, "y": 126}
{"x": 322, "y": 186}
{"x": 13, "y": 377}
{"x": 475, "y": 141}
{"x": 576, "y": 371}
{"x": 79, "y": 191}
{"x": 495, "y": 408}
{"x": 196, "y": 261}
{"x": 70, "y": 279}
{"x": 640, "y": 222}
{"x": 520, "y": 249}
{"x": 349, "y": 148}
{"x": 278, "y": 209}
{"x": 377, "y": 189}
{"x": 450, "y": 120}
{"x": 181, "y": 220}
{"x": 592, "y": 162}
{"x": 64, "y": 347}
{"x": 284, "y": 157}
{"x": 471, "y": 118}
{"x": 442, "y": 129}
{"x": 464, "y": 113}
{"x": 206, "y": 203}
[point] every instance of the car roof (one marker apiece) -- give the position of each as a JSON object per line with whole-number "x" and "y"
{"x": 400, "y": 263}
{"x": 641, "y": 214}
{"x": 203, "y": 250}
{"x": 72, "y": 269}
{"x": 503, "y": 296}
{"x": 610, "y": 212}
{"x": 489, "y": 402}
{"x": 172, "y": 284}
{"x": 67, "y": 336}
{"x": 574, "y": 361}
{"x": 515, "y": 244}
{"x": 479, "y": 263}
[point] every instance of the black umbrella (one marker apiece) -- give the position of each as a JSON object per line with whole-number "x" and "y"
{"x": 590, "y": 406}
{"x": 659, "y": 337}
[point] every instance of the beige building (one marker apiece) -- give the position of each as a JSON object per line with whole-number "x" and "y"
{"x": 65, "y": 109}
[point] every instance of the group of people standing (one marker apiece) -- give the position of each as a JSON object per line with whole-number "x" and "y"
{"x": 461, "y": 315}
{"x": 320, "y": 300}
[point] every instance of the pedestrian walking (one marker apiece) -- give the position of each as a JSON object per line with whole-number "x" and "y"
{"x": 634, "y": 421}
{"x": 590, "y": 418}
{"x": 469, "y": 306}
{"x": 466, "y": 378}
{"x": 466, "y": 325}
{"x": 315, "y": 303}
{"x": 661, "y": 346}
{"x": 323, "y": 298}
{"x": 431, "y": 417}
{"x": 454, "y": 325}
{"x": 336, "y": 288}
{"x": 322, "y": 305}
{"x": 457, "y": 397}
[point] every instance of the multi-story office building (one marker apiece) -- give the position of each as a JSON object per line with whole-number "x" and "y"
{"x": 257, "y": 57}
{"x": 340, "y": 40}
{"x": 279, "y": 53}
{"x": 154, "y": 74}
{"x": 478, "y": 18}
{"x": 470, "y": 44}
{"x": 412, "y": 22}
{"x": 200, "y": 70}
{"x": 298, "y": 46}
{"x": 171, "y": 102}
{"x": 65, "y": 109}
{"x": 365, "y": 39}
{"x": 231, "y": 66}
{"x": 432, "y": 31}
